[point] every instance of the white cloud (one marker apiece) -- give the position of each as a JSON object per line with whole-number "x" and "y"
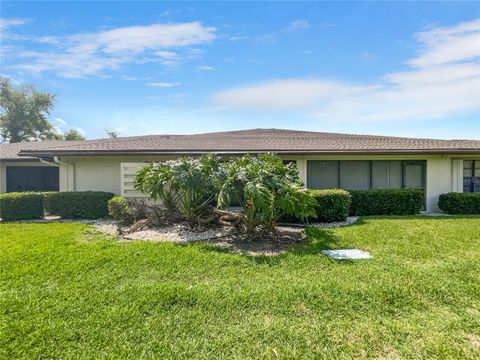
{"x": 5, "y": 24}
{"x": 448, "y": 44}
{"x": 435, "y": 86}
{"x": 86, "y": 54}
{"x": 163, "y": 84}
{"x": 60, "y": 122}
{"x": 298, "y": 25}
{"x": 205, "y": 68}
{"x": 80, "y": 130}
{"x": 170, "y": 55}
{"x": 285, "y": 94}
{"x": 238, "y": 38}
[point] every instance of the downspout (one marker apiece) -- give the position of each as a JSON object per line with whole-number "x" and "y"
{"x": 74, "y": 185}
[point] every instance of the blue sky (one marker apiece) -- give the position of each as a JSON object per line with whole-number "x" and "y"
{"x": 390, "y": 68}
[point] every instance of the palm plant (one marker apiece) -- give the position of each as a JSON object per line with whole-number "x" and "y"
{"x": 187, "y": 185}
{"x": 155, "y": 180}
{"x": 266, "y": 188}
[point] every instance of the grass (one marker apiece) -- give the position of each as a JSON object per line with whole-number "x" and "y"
{"x": 67, "y": 292}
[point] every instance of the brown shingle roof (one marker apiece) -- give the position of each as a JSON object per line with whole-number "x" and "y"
{"x": 9, "y": 152}
{"x": 259, "y": 140}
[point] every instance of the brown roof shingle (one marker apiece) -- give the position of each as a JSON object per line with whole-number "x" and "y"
{"x": 9, "y": 152}
{"x": 259, "y": 140}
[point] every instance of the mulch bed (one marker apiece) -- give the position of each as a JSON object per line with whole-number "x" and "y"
{"x": 222, "y": 236}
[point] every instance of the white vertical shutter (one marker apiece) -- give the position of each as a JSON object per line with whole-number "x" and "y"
{"x": 127, "y": 173}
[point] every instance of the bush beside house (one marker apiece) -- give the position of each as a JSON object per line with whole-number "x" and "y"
{"x": 460, "y": 203}
{"x": 78, "y": 204}
{"x": 21, "y": 206}
{"x": 125, "y": 210}
{"x": 331, "y": 205}
{"x": 386, "y": 202}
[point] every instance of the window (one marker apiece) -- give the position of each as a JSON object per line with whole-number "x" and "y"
{"x": 32, "y": 178}
{"x": 471, "y": 176}
{"x": 358, "y": 174}
{"x": 355, "y": 175}
{"x": 413, "y": 175}
{"x": 322, "y": 174}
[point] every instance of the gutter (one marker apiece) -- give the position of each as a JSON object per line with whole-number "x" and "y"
{"x": 55, "y": 161}
{"x": 240, "y": 152}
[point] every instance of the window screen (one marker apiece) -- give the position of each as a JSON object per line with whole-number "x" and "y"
{"x": 395, "y": 174}
{"x": 322, "y": 174}
{"x": 355, "y": 175}
{"x": 360, "y": 174}
{"x": 380, "y": 175}
{"x": 413, "y": 175}
{"x": 32, "y": 178}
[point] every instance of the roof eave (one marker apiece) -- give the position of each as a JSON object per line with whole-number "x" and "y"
{"x": 47, "y": 153}
{"x": 24, "y": 159}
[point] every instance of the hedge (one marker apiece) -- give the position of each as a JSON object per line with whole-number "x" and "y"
{"x": 460, "y": 203}
{"x": 78, "y": 204}
{"x": 386, "y": 202}
{"x": 20, "y": 206}
{"x": 332, "y": 205}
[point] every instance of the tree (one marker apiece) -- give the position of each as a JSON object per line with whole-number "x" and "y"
{"x": 73, "y": 134}
{"x": 24, "y": 113}
{"x": 112, "y": 134}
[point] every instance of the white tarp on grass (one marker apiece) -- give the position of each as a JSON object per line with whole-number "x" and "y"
{"x": 347, "y": 254}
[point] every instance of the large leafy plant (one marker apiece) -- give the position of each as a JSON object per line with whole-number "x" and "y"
{"x": 266, "y": 188}
{"x": 186, "y": 185}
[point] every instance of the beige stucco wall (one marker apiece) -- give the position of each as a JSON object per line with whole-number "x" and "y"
{"x": 3, "y": 171}
{"x": 444, "y": 173}
{"x": 96, "y": 172}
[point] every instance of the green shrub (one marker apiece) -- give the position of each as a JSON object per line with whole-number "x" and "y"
{"x": 331, "y": 205}
{"x": 78, "y": 204}
{"x": 460, "y": 203}
{"x": 19, "y": 206}
{"x": 127, "y": 211}
{"x": 386, "y": 202}
{"x": 119, "y": 210}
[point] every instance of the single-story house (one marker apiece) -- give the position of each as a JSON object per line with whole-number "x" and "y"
{"x": 324, "y": 160}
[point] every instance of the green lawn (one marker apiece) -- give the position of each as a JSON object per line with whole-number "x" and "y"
{"x": 67, "y": 292}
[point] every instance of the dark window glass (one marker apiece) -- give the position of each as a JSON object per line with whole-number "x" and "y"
{"x": 32, "y": 178}
{"x": 471, "y": 176}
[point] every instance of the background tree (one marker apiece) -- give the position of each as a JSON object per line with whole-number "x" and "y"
{"x": 73, "y": 134}
{"x": 24, "y": 113}
{"x": 112, "y": 134}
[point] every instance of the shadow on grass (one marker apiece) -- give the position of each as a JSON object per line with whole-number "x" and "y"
{"x": 318, "y": 239}
{"x": 364, "y": 219}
